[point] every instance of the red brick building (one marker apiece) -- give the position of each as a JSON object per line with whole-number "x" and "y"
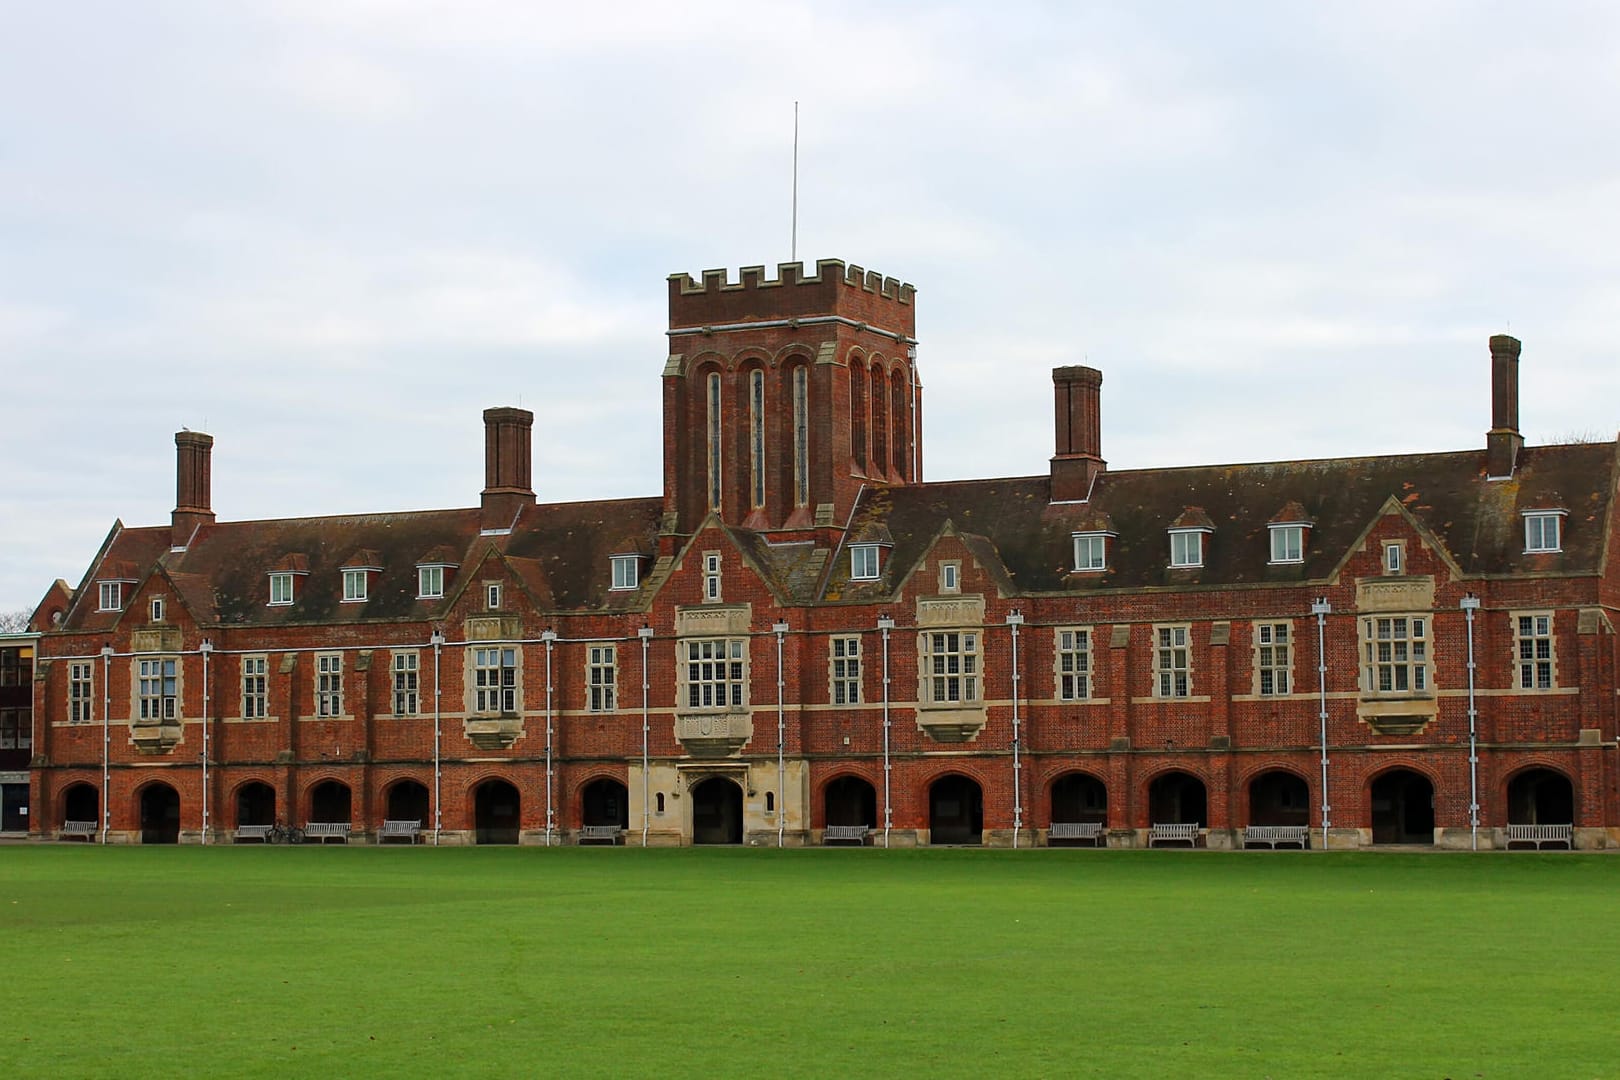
{"x": 801, "y": 634}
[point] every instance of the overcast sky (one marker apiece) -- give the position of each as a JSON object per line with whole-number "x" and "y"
{"x": 332, "y": 233}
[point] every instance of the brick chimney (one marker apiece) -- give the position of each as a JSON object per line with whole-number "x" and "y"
{"x": 193, "y": 485}
{"x": 507, "y": 488}
{"x": 1077, "y": 423}
{"x": 1503, "y": 442}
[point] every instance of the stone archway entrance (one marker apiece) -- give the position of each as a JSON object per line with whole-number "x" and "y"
{"x": 409, "y": 801}
{"x": 1402, "y": 804}
{"x": 496, "y": 808}
{"x": 82, "y": 802}
{"x": 160, "y": 814}
{"x": 1177, "y": 798}
{"x": 849, "y": 800}
{"x": 1541, "y": 797}
{"x": 717, "y": 805}
{"x": 955, "y": 811}
{"x": 255, "y": 804}
{"x": 1079, "y": 797}
{"x": 331, "y": 803}
{"x": 1279, "y": 798}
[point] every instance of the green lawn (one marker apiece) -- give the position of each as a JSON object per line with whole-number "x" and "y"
{"x": 332, "y": 962}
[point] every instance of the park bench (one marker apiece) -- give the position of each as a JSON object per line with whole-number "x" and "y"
{"x": 845, "y": 834}
{"x": 1273, "y": 835}
{"x": 409, "y": 831}
{"x": 592, "y": 834}
{"x": 328, "y": 830}
{"x": 84, "y": 830}
{"x": 261, "y": 833}
{"x": 1541, "y": 834}
{"x": 1095, "y": 832}
{"x": 1174, "y": 833}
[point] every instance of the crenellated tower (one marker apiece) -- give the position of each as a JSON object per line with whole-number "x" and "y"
{"x": 782, "y": 396}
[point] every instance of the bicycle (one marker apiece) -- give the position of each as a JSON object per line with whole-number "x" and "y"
{"x": 288, "y": 834}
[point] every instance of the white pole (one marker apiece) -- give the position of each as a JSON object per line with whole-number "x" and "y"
{"x": 207, "y": 647}
{"x": 438, "y": 821}
{"x": 106, "y": 739}
{"x": 550, "y": 638}
{"x": 645, "y": 633}
{"x": 885, "y": 624}
{"x": 1470, "y": 604}
{"x": 1320, "y": 609}
{"x": 781, "y": 735}
{"x": 1015, "y": 619}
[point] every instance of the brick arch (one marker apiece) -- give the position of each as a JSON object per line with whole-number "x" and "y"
{"x": 872, "y": 775}
{"x": 792, "y": 353}
{"x": 59, "y": 799}
{"x": 306, "y": 792}
{"x": 1065, "y": 771}
{"x": 233, "y": 796}
{"x": 574, "y": 789}
{"x": 1504, "y": 781}
{"x": 492, "y": 771}
{"x": 1145, "y": 780}
{"x": 1390, "y": 765}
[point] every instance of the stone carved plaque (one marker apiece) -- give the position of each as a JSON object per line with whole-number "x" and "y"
{"x": 713, "y": 620}
{"x": 494, "y": 628}
{"x": 147, "y": 641}
{"x": 950, "y": 611}
{"x": 1395, "y": 594}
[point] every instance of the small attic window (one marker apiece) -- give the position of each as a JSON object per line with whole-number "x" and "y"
{"x": 626, "y": 571}
{"x": 1090, "y": 551}
{"x": 1187, "y": 547}
{"x": 863, "y": 562}
{"x": 429, "y": 582}
{"x": 1288, "y": 542}
{"x": 1543, "y": 530}
{"x": 111, "y": 596}
{"x": 355, "y": 583}
{"x": 281, "y": 589}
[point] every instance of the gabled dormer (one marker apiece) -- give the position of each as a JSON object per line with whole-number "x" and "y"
{"x": 434, "y": 571}
{"x": 359, "y": 571}
{"x": 114, "y": 583}
{"x": 286, "y": 579}
{"x": 1187, "y": 538}
{"x": 1288, "y": 531}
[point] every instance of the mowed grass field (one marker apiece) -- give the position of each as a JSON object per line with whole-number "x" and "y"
{"x": 334, "y": 962}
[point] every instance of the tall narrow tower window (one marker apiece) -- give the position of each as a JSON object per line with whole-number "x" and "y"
{"x": 714, "y": 441}
{"x": 857, "y": 415}
{"x": 880, "y": 420}
{"x": 899, "y": 445}
{"x": 801, "y": 436}
{"x": 756, "y": 434}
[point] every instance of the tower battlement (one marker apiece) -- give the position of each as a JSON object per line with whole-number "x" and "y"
{"x": 835, "y": 288}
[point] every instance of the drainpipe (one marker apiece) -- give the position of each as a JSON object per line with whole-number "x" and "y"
{"x": 437, "y": 640}
{"x": 1321, "y": 608}
{"x": 549, "y": 636}
{"x": 780, "y": 629}
{"x": 645, "y": 634}
{"x": 885, "y": 624}
{"x": 1470, "y": 604}
{"x": 206, "y": 648}
{"x": 1015, "y": 619}
{"x": 106, "y": 738}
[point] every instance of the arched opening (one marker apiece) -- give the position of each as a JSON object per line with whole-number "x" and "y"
{"x": 160, "y": 814}
{"x": 409, "y": 801}
{"x": 1279, "y": 798}
{"x": 604, "y": 806}
{"x": 1541, "y": 797}
{"x": 857, "y": 413}
{"x": 255, "y": 804}
{"x": 717, "y": 812}
{"x": 1178, "y": 799}
{"x": 1079, "y": 797}
{"x": 880, "y": 421}
{"x": 496, "y": 809}
{"x": 849, "y": 800}
{"x": 81, "y": 805}
{"x": 330, "y": 801}
{"x": 955, "y": 811}
{"x": 1402, "y": 808}
{"x": 899, "y": 444}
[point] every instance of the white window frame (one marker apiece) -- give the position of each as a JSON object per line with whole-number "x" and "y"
{"x": 255, "y": 687}
{"x": 329, "y": 684}
{"x": 492, "y": 596}
{"x": 356, "y": 585}
{"x": 157, "y": 609}
{"x": 1396, "y": 656}
{"x": 950, "y": 576}
{"x": 951, "y": 672}
{"x": 281, "y": 589}
{"x": 1187, "y": 548}
{"x": 495, "y": 680}
{"x": 430, "y": 581}
{"x": 407, "y": 671}
{"x": 1072, "y": 665}
{"x": 1172, "y": 661}
{"x": 157, "y": 688}
{"x": 1287, "y": 543}
{"x": 864, "y": 560}
{"x": 602, "y": 678}
{"x": 711, "y": 577}
{"x": 81, "y": 691}
{"x": 1534, "y": 651}
{"x": 714, "y": 674}
{"x": 844, "y": 669}
{"x": 1090, "y": 552}
{"x": 110, "y": 595}
{"x": 626, "y": 571}
{"x": 1543, "y": 531}
{"x": 1274, "y": 658}
{"x": 1394, "y": 557}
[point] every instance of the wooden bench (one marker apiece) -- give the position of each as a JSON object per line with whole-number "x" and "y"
{"x": 1273, "y": 835}
{"x": 1174, "y": 833}
{"x": 845, "y": 834}
{"x": 595, "y": 834}
{"x": 323, "y": 831}
{"x": 409, "y": 831}
{"x": 1541, "y": 834}
{"x": 1094, "y": 832}
{"x": 261, "y": 833}
{"x": 84, "y": 830}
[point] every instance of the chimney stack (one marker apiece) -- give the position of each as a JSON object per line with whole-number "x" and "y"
{"x": 1503, "y": 442}
{"x": 193, "y": 485}
{"x": 507, "y": 487}
{"x": 1077, "y": 422}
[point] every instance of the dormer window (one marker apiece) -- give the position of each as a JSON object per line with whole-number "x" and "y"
{"x": 357, "y": 576}
{"x": 281, "y": 589}
{"x": 430, "y": 582}
{"x": 354, "y": 586}
{"x": 1543, "y": 530}
{"x": 626, "y": 571}
{"x": 863, "y": 562}
{"x": 1287, "y": 543}
{"x": 1090, "y": 551}
{"x": 112, "y": 596}
{"x": 1187, "y": 547}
